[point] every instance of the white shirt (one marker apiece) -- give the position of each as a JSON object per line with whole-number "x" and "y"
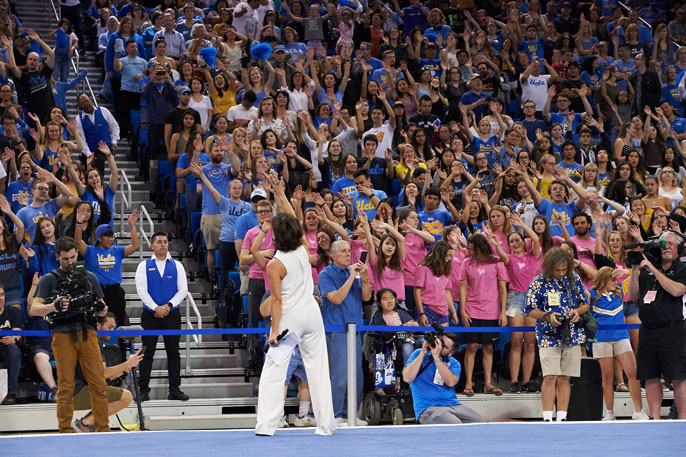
{"x": 204, "y": 108}
{"x": 112, "y": 125}
{"x": 298, "y": 99}
{"x": 536, "y": 90}
{"x": 384, "y": 136}
{"x": 142, "y": 282}
{"x": 250, "y": 16}
{"x": 239, "y": 113}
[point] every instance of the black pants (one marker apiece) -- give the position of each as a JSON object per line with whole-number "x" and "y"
{"x": 116, "y": 98}
{"x": 255, "y": 294}
{"x": 129, "y": 101}
{"x": 115, "y": 298}
{"x": 228, "y": 256}
{"x": 73, "y": 13}
{"x": 171, "y": 345}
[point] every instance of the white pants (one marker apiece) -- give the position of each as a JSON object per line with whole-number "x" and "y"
{"x": 309, "y": 326}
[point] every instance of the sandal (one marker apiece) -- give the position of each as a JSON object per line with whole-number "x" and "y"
{"x": 493, "y": 391}
{"x": 621, "y": 387}
{"x": 468, "y": 391}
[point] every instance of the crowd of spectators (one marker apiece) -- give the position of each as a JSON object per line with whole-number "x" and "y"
{"x": 456, "y": 142}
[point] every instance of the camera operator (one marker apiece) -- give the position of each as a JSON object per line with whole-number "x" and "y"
{"x": 433, "y": 383}
{"x": 74, "y": 339}
{"x": 557, "y": 299}
{"x": 659, "y": 289}
{"x": 117, "y": 398}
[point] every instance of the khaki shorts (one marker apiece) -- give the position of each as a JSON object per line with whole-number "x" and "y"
{"x": 561, "y": 361}
{"x": 211, "y": 226}
{"x": 611, "y": 348}
{"x": 82, "y": 399}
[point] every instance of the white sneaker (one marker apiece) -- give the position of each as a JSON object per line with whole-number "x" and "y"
{"x": 283, "y": 422}
{"x": 341, "y": 422}
{"x": 609, "y": 417}
{"x": 305, "y": 421}
{"x": 640, "y": 416}
{"x": 361, "y": 422}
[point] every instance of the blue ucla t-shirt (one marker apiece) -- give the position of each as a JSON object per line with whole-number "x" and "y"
{"x": 17, "y": 190}
{"x": 220, "y": 176}
{"x": 435, "y": 222}
{"x": 29, "y": 217}
{"x": 230, "y": 212}
{"x": 563, "y": 120}
{"x": 574, "y": 171}
{"x": 566, "y": 210}
{"x": 105, "y": 263}
{"x": 487, "y": 147}
{"x": 345, "y": 185}
{"x": 243, "y": 224}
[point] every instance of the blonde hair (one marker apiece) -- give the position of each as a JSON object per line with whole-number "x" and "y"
{"x": 596, "y": 183}
{"x": 602, "y": 278}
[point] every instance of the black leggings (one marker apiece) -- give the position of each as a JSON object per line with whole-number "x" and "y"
{"x": 228, "y": 256}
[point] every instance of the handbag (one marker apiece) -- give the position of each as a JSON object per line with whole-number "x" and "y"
{"x": 586, "y": 321}
{"x": 384, "y": 368}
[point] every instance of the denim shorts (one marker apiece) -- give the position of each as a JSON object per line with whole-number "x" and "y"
{"x": 630, "y": 309}
{"x": 516, "y": 303}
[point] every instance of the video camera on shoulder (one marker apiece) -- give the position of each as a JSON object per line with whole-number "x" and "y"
{"x": 75, "y": 286}
{"x": 431, "y": 337}
{"x": 651, "y": 249}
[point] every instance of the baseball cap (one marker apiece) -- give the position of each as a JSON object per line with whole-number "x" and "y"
{"x": 280, "y": 48}
{"x": 184, "y": 90}
{"x": 103, "y": 229}
{"x": 258, "y": 193}
{"x": 474, "y": 76}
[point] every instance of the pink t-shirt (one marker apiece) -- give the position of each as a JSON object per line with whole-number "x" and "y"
{"x": 503, "y": 243}
{"x": 311, "y": 238}
{"x": 522, "y": 271}
{"x": 483, "y": 298}
{"x": 433, "y": 289}
{"x": 389, "y": 278}
{"x": 458, "y": 260}
{"x": 415, "y": 251}
{"x": 356, "y": 248}
{"x": 267, "y": 243}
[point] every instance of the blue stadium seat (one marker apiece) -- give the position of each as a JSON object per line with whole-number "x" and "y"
{"x": 396, "y": 187}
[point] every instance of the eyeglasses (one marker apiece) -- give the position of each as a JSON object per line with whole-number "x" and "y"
{"x": 530, "y": 107}
{"x": 264, "y": 211}
{"x": 46, "y": 189}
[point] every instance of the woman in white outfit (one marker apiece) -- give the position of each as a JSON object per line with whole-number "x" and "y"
{"x": 293, "y": 307}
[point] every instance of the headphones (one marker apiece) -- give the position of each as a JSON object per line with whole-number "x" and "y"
{"x": 681, "y": 240}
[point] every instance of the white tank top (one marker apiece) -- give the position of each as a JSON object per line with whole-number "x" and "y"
{"x": 297, "y": 286}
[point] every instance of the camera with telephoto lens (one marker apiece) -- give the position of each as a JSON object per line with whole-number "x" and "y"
{"x": 431, "y": 337}
{"x": 83, "y": 303}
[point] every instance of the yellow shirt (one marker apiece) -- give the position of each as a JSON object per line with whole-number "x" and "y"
{"x": 223, "y": 103}
{"x": 400, "y": 168}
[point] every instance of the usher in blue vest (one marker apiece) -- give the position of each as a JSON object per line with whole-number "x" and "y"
{"x": 161, "y": 289}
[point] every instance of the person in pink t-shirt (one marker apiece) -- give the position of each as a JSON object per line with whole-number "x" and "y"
{"x": 432, "y": 286}
{"x": 387, "y": 260}
{"x": 500, "y": 226}
{"x": 453, "y": 235}
{"x": 541, "y": 227}
{"x": 417, "y": 242}
{"x": 482, "y": 305}
{"x": 522, "y": 267}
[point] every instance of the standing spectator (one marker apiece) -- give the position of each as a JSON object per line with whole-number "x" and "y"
{"x": 132, "y": 68}
{"x": 475, "y": 98}
{"x": 557, "y": 291}
{"x": 482, "y": 305}
{"x": 160, "y": 96}
{"x": 96, "y": 125}
{"x": 176, "y": 43}
{"x": 42, "y": 205}
{"x": 535, "y": 89}
{"x": 116, "y": 47}
{"x": 162, "y": 286}
{"x": 342, "y": 297}
{"x": 647, "y": 85}
{"x": 522, "y": 266}
{"x": 173, "y": 121}
{"x": 34, "y": 82}
{"x": 606, "y": 304}
{"x": 104, "y": 259}
{"x": 71, "y": 10}
{"x": 659, "y": 291}
{"x": 432, "y": 286}
{"x": 10, "y": 351}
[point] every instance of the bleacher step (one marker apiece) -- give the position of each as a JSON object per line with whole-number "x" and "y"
{"x": 204, "y": 422}
{"x": 205, "y": 390}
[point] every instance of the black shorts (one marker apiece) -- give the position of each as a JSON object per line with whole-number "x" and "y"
{"x": 662, "y": 352}
{"x": 33, "y": 350}
{"x": 481, "y": 337}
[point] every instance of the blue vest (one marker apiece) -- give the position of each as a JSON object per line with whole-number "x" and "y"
{"x": 163, "y": 289}
{"x": 95, "y": 133}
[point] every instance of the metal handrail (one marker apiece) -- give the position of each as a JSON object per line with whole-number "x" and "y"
{"x": 74, "y": 65}
{"x": 145, "y": 217}
{"x": 190, "y": 303}
{"x": 627, "y": 8}
{"x": 124, "y": 202}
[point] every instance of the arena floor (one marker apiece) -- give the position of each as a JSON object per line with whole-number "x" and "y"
{"x": 625, "y": 438}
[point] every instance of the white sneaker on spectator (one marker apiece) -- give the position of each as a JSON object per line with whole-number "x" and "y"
{"x": 341, "y": 422}
{"x": 640, "y": 416}
{"x": 283, "y": 422}
{"x": 305, "y": 421}
{"x": 609, "y": 417}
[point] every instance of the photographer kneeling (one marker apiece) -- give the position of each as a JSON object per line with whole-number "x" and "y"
{"x": 433, "y": 383}
{"x": 74, "y": 338}
{"x": 557, "y": 299}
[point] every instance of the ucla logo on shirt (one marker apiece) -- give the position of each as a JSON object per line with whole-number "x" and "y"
{"x": 349, "y": 190}
{"x": 434, "y": 227}
{"x": 106, "y": 262}
{"x": 38, "y": 216}
{"x": 562, "y": 215}
{"x": 361, "y": 206}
